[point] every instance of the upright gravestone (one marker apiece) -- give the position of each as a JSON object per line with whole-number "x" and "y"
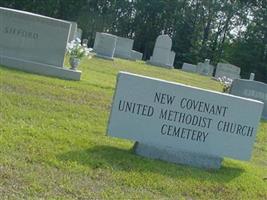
{"x": 85, "y": 42}
{"x": 135, "y": 55}
{"x": 105, "y": 45}
{"x": 162, "y": 52}
{"x": 34, "y": 43}
{"x": 227, "y": 70}
{"x": 172, "y": 58}
{"x": 252, "y": 76}
{"x": 183, "y": 124}
{"x": 123, "y": 48}
{"x": 78, "y": 34}
{"x": 73, "y": 31}
{"x": 251, "y": 89}
{"x": 189, "y": 67}
{"x": 205, "y": 68}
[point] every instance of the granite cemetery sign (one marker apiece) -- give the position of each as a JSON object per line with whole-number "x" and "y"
{"x": 251, "y": 89}
{"x": 34, "y": 43}
{"x": 171, "y": 118}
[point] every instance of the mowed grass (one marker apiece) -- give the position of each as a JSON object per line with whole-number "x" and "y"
{"x": 53, "y": 143}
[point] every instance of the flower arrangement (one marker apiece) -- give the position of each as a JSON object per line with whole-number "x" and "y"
{"x": 226, "y": 82}
{"x": 76, "y": 50}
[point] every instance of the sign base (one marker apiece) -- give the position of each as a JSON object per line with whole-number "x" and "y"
{"x": 186, "y": 158}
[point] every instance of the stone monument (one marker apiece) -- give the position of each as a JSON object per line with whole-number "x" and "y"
{"x": 135, "y": 55}
{"x": 162, "y": 52}
{"x": 251, "y": 89}
{"x": 252, "y": 76}
{"x": 189, "y": 67}
{"x": 183, "y": 124}
{"x": 227, "y": 70}
{"x": 73, "y": 31}
{"x": 34, "y": 43}
{"x": 123, "y": 48}
{"x": 105, "y": 45}
{"x": 205, "y": 68}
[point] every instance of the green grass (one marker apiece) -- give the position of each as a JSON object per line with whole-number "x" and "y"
{"x": 53, "y": 143}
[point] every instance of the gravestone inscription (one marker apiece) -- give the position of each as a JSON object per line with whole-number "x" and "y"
{"x": 34, "y": 43}
{"x": 172, "y": 117}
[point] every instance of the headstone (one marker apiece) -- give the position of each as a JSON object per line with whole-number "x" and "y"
{"x": 85, "y": 42}
{"x": 252, "y": 76}
{"x": 189, "y": 67}
{"x": 105, "y": 45}
{"x": 205, "y": 68}
{"x": 73, "y": 31}
{"x": 79, "y": 33}
{"x": 172, "y": 58}
{"x": 135, "y": 55}
{"x": 97, "y": 36}
{"x": 123, "y": 48}
{"x": 227, "y": 70}
{"x": 251, "y": 89}
{"x": 162, "y": 52}
{"x": 183, "y": 124}
{"x": 34, "y": 43}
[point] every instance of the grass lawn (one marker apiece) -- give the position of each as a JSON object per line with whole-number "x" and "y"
{"x": 53, "y": 143}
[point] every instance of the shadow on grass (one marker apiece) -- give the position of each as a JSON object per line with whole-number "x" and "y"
{"x": 107, "y": 157}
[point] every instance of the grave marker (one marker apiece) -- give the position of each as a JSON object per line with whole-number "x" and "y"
{"x": 105, "y": 45}
{"x": 183, "y": 124}
{"x": 34, "y": 43}
{"x": 251, "y": 89}
{"x": 189, "y": 67}
{"x": 162, "y": 52}
{"x": 123, "y": 48}
{"x": 227, "y": 70}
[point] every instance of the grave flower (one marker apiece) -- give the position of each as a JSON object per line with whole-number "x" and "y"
{"x": 226, "y": 83}
{"x": 76, "y": 51}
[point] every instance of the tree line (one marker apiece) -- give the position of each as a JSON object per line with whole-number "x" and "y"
{"x": 231, "y": 31}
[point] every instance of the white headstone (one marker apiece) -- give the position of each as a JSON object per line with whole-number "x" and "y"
{"x": 123, "y": 48}
{"x": 79, "y": 33}
{"x": 34, "y": 43}
{"x": 135, "y": 55}
{"x": 176, "y": 117}
{"x": 252, "y": 76}
{"x": 105, "y": 45}
{"x": 227, "y": 70}
{"x": 205, "y": 68}
{"x": 189, "y": 67}
{"x": 162, "y": 52}
{"x": 172, "y": 58}
{"x": 73, "y": 31}
{"x": 251, "y": 89}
